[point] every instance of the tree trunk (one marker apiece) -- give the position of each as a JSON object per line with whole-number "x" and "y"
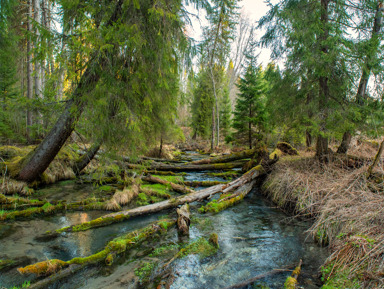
{"x": 377, "y": 158}
{"x": 161, "y": 146}
{"x": 86, "y": 158}
{"x": 36, "y": 16}
{"x": 322, "y": 141}
{"x": 183, "y": 220}
{"x": 250, "y": 129}
{"x": 36, "y": 163}
{"x": 213, "y": 129}
{"x": 363, "y": 83}
{"x": 43, "y": 155}
{"x": 29, "y": 71}
{"x": 308, "y": 138}
{"x": 322, "y": 152}
{"x": 345, "y": 143}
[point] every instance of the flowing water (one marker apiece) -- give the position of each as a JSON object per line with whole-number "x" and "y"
{"x": 254, "y": 238}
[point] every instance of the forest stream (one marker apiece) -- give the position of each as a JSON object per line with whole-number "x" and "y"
{"x": 254, "y": 238}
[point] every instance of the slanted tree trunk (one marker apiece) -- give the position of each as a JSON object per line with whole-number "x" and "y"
{"x": 44, "y": 154}
{"x": 308, "y": 138}
{"x": 36, "y": 163}
{"x": 367, "y": 68}
{"x": 85, "y": 159}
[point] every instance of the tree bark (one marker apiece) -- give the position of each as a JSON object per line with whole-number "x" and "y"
{"x": 43, "y": 155}
{"x": 29, "y": 71}
{"x": 363, "y": 83}
{"x": 183, "y": 220}
{"x": 322, "y": 141}
{"x": 377, "y": 158}
{"x": 86, "y": 158}
{"x": 345, "y": 143}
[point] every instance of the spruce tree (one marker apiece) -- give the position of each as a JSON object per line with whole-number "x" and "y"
{"x": 250, "y": 113}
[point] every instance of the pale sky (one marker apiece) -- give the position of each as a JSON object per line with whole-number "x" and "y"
{"x": 255, "y": 9}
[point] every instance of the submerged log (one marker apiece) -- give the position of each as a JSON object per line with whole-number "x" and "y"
{"x": 203, "y": 183}
{"x": 183, "y": 220}
{"x": 291, "y": 281}
{"x": 175, "y": 187}
{"x": 112, "y": 248}
{"x": 227, "y": 158}
{"x": 167, "y": 204}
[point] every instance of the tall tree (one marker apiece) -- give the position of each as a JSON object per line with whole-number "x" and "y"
{"x": 250, "y": 113}
{"x": 216, "y": 48}
{"x": 132, "y": 47}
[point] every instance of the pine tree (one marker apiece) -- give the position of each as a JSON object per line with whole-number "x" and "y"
{"x": 250, "y": 113}
{"x": 225, "y": 113}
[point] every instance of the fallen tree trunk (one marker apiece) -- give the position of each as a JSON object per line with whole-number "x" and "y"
{"x": 189, "y": 167}
{"x": 203, "y": 183}
{"x": 227, "y": 158}
{"x": 177, "y": 188}
{"x": 172, "y": 203}
{"x": 222, "y": 204}
{"x": 291, "y": 282}
{"x": 377, "y": 158}
{"x": 183, "y": 220}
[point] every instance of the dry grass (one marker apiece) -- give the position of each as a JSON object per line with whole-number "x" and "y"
{"x": 126, "y": 195}
{"x": 112, "y": 205}
{"x": 348, "y": 211}
{"x": 10, "y": 186}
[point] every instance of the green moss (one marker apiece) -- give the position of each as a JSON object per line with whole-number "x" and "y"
{"x": 290, "y": 283}
{"x": 5, "y": 264}
{"x": 275, "y": 154}
{"x": 214, "y": 240}
{"x": 201, "y": 247}
{"x": 142, "y": 199}
{"x": 163, "y": 249}
{"x": 216, "y": 207}
{"x": 144, "y": 272}
{"x": 225, "y": 175}
{"x": 339, "y": 279}
{"x": 172, "y": 179}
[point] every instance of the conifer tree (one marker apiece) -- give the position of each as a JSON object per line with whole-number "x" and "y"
{"x": 250, "y": 113}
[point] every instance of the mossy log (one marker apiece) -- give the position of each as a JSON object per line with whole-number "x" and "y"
{"x": 287, "y": 148}
{"x": 376, "y": 160}
{"x": 217, "y": 206}
{"x": 189, "y": 167}
{"x": 291, "y": 281}
{"x": 167, "y": 204}
{"x": 47, "y": 208}
{"x": 113, "y": 248}
{"x": 203, "y": 183}
{"x": 227, "y": 158}
{"x": 176, "y": 187}
{"x": 183, "y": 220}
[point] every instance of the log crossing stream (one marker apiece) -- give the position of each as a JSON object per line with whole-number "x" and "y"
{"x": 254, "y": 238}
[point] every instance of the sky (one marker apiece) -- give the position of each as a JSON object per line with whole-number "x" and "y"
{"x": 254, "y": 9}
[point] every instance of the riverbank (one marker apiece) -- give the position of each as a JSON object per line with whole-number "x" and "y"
{"x": 347, "y": 212}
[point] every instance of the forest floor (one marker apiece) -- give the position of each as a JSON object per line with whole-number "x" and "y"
{"x": 346, "y": 207}
{"x": 343, "y": 202}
